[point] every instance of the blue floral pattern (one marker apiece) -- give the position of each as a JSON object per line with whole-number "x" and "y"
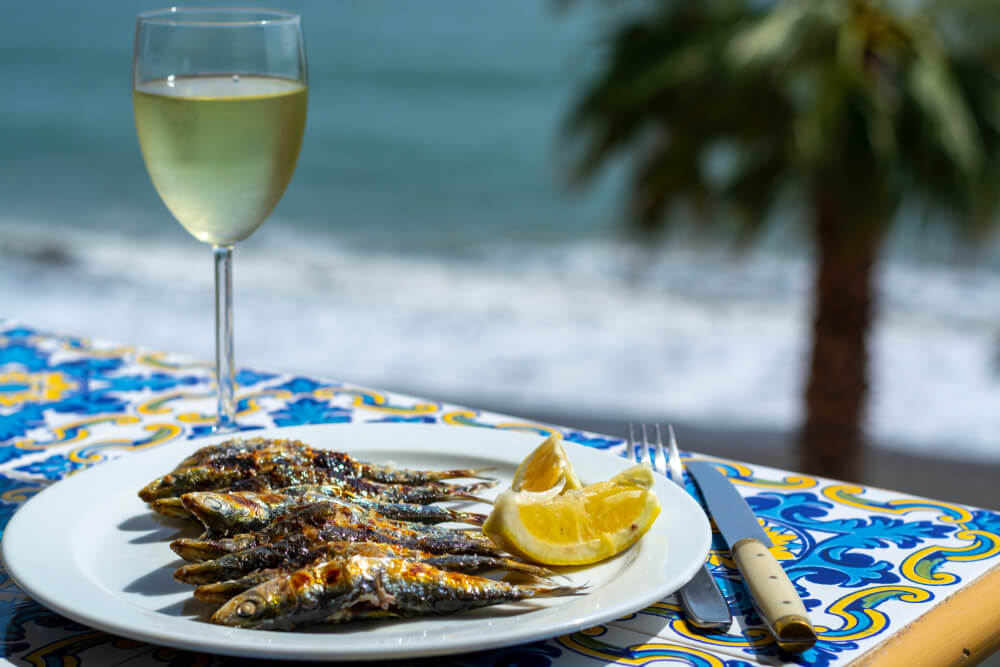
{"x": 866, "y": 562}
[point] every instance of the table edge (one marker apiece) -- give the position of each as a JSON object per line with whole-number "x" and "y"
{"x": 964, "y": 629}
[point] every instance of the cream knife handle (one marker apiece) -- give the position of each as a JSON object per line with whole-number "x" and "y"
{"x": 773, "y": 593}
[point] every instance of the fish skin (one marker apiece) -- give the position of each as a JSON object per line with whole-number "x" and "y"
{"x": 225, "y": 513}
{"x": 240, "y": 563}
{"x": 279, "y": 474}
{"x": 344, "y": 589}
{"x": 174, "y": 484}
{"x": 245, "y": 511}
{"x": 219, "y": 591}
{"x": 329, "y": 522}
{"x": 196, "y": 550}
{"x": 243, "y": 570}
{"x": 394, "y": 509}
{"x": 231, "y": 448}
{"x": 423, "y": 494}
{"x": 252, "y": 452}
{"x": 322, "y": 514}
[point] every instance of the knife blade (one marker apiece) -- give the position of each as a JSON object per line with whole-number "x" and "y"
{"x": 772, "y": 591}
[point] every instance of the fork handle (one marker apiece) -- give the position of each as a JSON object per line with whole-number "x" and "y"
{"x": 703, "y": 603}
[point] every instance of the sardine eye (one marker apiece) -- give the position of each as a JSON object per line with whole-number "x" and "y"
{"x": 247, "y": 608}
{"x": 213, "y": 503}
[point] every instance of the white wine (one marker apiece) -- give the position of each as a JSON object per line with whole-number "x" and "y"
{"x": 220, "y": 149}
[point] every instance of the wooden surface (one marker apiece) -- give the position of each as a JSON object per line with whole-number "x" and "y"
{"x": 962, "y": 630}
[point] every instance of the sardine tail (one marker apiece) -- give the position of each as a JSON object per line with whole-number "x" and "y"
{"x": 473, "y": 473}
{"x": 474, "y": 518}
{"x": 528, "y": 568}
{"x": 470, "y": 497}
{"x": 556, "y": 591}
{"x": 466, "y": 491}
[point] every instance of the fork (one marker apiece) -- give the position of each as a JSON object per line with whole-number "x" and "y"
{"x": 703, "y": 603}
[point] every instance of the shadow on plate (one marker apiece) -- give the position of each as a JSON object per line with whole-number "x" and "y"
{"x": 189, "y": 607}
{"x": 155, "y": 528}
{"x": 157, "y": 582}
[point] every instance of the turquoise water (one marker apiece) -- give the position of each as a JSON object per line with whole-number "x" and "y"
{"x": 428, "y": 242}
{"x": 429, "y": 123}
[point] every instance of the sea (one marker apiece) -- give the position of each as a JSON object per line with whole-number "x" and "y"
{"x": 430, "y": 241}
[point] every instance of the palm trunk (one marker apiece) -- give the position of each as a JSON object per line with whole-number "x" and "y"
{"x": 831, "y": 439}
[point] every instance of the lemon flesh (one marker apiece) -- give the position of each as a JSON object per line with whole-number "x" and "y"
{"x": 578, "y": 527}
{"x": 545, "y": 468}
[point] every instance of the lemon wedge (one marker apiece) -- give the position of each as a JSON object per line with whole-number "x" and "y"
{"x": 546, "y": 468}
{"x": 575, "y": 527}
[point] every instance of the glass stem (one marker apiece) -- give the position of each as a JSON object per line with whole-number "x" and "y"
{"x": 224, "y": 370}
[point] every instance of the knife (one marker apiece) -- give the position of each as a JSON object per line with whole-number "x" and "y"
{"x": 772, "y": 592}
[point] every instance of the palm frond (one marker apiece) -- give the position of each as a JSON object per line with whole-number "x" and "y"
{"x": 859, "y": 97}
{"x": 769, "y": 39}
{"x": 950, "y": 123}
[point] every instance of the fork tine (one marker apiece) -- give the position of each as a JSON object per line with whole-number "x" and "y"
{"x": 674, "y": 462}
{"x": 658, "y": 455}
{"x": 644, "y": 451}
{"x": 632, "y": 454}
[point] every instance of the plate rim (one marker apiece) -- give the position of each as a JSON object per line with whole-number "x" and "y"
{"x": 226, "y": 641}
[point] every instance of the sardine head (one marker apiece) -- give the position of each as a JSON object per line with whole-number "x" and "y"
{"x": 263, "y": 606}
{"x": 286, "y": 601}
{"x": 246, "y": 610}
{"x": 221, "y": 512}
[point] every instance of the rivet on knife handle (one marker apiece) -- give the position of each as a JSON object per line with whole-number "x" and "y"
{"x": 774, "y": 595}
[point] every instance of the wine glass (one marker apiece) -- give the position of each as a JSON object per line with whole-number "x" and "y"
{"x": 220, "y": 108}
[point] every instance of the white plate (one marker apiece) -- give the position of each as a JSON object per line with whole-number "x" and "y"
{"x": 89, "y": 549}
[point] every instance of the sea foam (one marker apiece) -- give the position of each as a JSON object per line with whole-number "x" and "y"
{"x": 593, "y": 326}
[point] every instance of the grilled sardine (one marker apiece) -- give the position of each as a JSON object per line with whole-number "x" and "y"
{"x": 333, "y": 522}
{"x": 227, "y": 576}
{"x": 247, "y": 511}
{"x": 278, "y": 474}
{"x": 344, "y": 589}
{"x": 255, "y": 452}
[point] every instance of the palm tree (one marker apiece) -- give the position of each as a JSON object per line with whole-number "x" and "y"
{"x": 852, "y": 105}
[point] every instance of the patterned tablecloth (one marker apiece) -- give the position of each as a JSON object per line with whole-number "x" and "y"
{"x": 866, "y": 561}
